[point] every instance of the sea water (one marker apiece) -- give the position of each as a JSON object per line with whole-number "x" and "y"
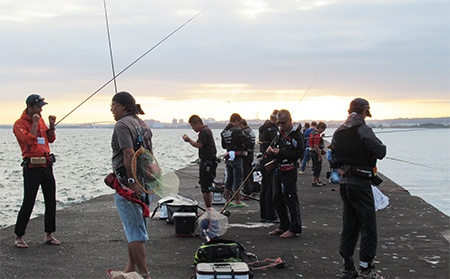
{"x": 419, "y": 161}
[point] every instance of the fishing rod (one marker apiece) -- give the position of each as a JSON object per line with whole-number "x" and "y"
{"x": 110, "y": 46}
{"x": 136, "y": 60}
{"x": 306, "y": 92}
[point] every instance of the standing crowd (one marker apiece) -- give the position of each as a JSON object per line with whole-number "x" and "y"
{"x": 285, "y": 152}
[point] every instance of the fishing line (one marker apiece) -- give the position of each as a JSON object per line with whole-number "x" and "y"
{"x": 306, "y": 92}
{"x": 409, "y": 162}
{"x": 110, "y": 46}
{"x": 136, "y": 60}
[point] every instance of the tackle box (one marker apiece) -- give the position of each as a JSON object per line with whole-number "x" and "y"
{"x": 184, "y": 223}
{"x": 235, "y": 270}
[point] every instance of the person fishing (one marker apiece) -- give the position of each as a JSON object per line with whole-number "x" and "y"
{"x": 207, "y": 153}
{"x": 287, "y": 149}
{"x": 355, "y": 152}
{"x": 130, "y": 132}
{"x": 235, "y": 141}
{"x": 267, "y": 132}
{"x": 34, "y": 137}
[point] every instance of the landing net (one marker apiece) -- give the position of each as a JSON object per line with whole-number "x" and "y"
{"x": 150, "y": 177}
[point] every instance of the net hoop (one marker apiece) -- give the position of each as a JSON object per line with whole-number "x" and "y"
{"x": 134, "y": 170}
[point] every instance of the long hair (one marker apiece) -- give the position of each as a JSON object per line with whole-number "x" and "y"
{"x": 127, "y": 100}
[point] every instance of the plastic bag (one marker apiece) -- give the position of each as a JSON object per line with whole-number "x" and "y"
{"x": 380, "y": 199}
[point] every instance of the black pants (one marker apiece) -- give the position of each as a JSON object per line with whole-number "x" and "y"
{"x": 248, "y": 187}
{"x": 286, "y": 200}
{"x": 207, "y": 172}
{"x": 317, "y": 165}
{"x": 32, "y": 178}
{"x": 266, "y": 203}
{"x": 358, "y": 218}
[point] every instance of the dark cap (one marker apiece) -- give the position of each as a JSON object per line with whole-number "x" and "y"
{"x": 35, "y": 99}
{"x": 358, "y": 105}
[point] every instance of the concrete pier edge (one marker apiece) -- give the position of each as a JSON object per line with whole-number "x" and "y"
{"x": 413, "y": 238}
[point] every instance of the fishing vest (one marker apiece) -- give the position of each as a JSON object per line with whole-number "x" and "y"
{"x": 350, "y": 150}
{"x": 251, "y": 137}
{"x": 230, "y": 139}
{"x": 266, "y": 134}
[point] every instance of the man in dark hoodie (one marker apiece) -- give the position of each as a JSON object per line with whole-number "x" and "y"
{"x": 355, "y": 152}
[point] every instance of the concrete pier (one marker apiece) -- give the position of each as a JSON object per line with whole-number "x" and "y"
{"x": 413, "y": 238}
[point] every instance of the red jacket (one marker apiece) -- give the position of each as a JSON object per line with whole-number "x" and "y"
{"x": 29, "y": 142}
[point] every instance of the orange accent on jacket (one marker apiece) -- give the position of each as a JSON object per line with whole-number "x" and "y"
{"x": 27, "y": 141}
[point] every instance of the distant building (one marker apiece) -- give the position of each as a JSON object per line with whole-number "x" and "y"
{"x": 174, "y": 121}
{"x": 180, "y": 121}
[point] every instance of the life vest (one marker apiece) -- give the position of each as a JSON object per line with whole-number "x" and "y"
{"x": 350, "y": 150}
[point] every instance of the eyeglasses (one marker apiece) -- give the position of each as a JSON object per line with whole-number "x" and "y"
{"x": 281, "y": 122}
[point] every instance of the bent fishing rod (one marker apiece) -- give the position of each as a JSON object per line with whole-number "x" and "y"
{"x": 135, "y": 61}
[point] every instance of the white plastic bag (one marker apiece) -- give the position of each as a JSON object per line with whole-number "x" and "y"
{"x": 380, "y": 199}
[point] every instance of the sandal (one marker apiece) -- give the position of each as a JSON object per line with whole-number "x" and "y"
{"x": 53, "y": 241}
{"x": 288, "y": 234}
{"x": 20, "y": 244}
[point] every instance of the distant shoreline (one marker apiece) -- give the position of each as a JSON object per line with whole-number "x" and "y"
{"x": 402, "y": 123}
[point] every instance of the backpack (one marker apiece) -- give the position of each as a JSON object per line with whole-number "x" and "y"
{"x": 220, "y": 250}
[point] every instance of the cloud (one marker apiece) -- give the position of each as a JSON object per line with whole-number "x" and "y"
{"x": 386, "y": 50}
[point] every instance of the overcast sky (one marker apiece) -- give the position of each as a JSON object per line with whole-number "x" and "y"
{"x": 239, "y": 56}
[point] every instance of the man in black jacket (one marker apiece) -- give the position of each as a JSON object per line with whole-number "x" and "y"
{"x": 236, "y": 142}
{"x": 286, "y": 149}
{"x": 267, "y": 132}
{"x": 355, "y": 152}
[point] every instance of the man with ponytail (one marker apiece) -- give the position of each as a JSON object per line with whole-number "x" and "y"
{"x": 130, "y": 133}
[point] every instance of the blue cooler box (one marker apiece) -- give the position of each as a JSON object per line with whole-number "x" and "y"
{"x": 237, "y": 270}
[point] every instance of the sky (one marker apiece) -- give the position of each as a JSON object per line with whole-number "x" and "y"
{"x": 311, "y": 57}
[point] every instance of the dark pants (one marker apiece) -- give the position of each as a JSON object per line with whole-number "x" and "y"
{"x": 358, "y": 218}
{"x": 235, "y": 171}
{"x": 247, "y": 165}
{"x": 266, "y": 203}
{"x": 207, "y": 171}
{"x": 33, "y": 177}
{"x": 286, "y": 199}
{"x": 317, "y": 165}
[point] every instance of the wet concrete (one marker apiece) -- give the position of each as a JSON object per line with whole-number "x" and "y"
{"x": 412, "y": 238}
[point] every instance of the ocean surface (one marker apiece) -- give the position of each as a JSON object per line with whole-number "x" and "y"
{"x": 418, "y": 160}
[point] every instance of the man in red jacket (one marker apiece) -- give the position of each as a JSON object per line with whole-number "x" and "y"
{"x": 34, "y": 137}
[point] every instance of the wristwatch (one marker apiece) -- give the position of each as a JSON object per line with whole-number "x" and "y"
{"x": 131, "y": 180}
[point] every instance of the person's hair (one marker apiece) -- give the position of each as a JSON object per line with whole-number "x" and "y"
{"x": 321, "y": 125}
{"x": 243, "y": 122}
{"x": 195, "y": 119}
{"x": 127, "y": 100}
{"x": 235, "y": 117}
{"x": 284, "y": 113}
{"x": 307, "y": 125}
{"x": 273, "y": 116}
{"x": 314, "y": 123}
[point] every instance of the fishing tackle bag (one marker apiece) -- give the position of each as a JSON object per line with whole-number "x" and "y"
{"x": 220, "y": 250}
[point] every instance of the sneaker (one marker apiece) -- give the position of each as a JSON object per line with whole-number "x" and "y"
{"x": 301, "y": 172}
{"x": 240, "y": 204}
{"x": 370, "y": 275}
{"x": 231, "y": 204}
{"x": 349, "y": 274}
{"x": 317, "y": 184}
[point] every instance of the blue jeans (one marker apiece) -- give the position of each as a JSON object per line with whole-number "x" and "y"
{"x": 235, "y": 170}
{"x": 306, "y": 158}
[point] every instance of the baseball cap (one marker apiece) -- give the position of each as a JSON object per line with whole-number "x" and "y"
{"x": 358, "y": 105}
{"x": 35, "y": 99}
